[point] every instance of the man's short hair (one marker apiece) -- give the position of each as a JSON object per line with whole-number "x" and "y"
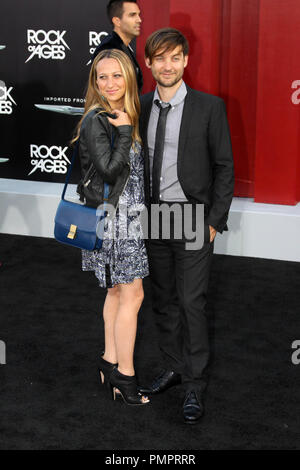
{"x": 163, "y": 40}
{"x": 115, "y": 8}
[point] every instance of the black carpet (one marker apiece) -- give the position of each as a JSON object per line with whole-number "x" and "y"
{"x": 50, "y": 397}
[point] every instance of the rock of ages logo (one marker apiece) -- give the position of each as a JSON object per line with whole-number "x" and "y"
{"x": 94, "y": 41}
{"x": 48, "y": 159}
{"x": 6, "y": 99}
{"x": 46, "y": 44}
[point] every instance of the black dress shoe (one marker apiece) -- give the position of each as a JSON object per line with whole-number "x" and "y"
{"x": 165, "y": 380}
{"x": 192, "y": 407}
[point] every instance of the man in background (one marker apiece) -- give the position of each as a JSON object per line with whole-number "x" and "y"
{"x": 126, "y": 20}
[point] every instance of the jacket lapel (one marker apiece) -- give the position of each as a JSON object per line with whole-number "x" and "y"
{"x": 144, "y": 121}
{"x": 185, "y": 126}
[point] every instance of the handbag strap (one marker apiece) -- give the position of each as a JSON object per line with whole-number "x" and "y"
{"x": 75, "y": 152}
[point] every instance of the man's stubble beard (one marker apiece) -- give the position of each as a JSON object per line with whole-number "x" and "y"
{"x": 131, "y": 34}
{"x": 170, "y": 84}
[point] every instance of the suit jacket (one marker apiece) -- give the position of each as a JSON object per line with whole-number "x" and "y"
{"x": 113, "y": 41}
{"x": 205, "y": 162}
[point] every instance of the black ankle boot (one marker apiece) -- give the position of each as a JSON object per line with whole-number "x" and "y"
{"x": 105, "y": 369}
{"x": 127, "y": 386}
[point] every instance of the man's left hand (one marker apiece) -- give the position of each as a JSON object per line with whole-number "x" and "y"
{"x": 213, "y": 233}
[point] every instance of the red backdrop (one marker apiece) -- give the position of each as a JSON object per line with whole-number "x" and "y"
{"x": 247, "y": 52}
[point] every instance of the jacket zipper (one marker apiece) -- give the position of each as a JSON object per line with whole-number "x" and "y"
{"x": 124, "y": 187}
{"x": 90, "y": 177}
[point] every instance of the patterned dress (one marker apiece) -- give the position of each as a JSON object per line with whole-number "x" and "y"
{"x": 123, "y": 256}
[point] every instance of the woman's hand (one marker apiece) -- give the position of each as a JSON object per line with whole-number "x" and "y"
{"x": 122, "y": 119}
{"x": 212, "y": 232}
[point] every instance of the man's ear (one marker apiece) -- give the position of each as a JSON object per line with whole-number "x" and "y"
{"x": 147, "y": 62}
{"x": 186, "y": 59}
{"x": 116, "y": 21}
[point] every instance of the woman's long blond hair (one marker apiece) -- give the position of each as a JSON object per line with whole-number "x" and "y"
{"x": 94, "y": 99}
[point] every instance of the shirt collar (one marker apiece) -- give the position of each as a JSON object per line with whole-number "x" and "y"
{"x": 177, "y": 98}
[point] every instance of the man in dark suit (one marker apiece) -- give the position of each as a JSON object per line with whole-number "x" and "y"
{"x": 188, "y": 161}
{"x": 126, "y": 20}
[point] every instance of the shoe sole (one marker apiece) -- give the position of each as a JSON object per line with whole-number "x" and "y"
{"x": 187, "y": 421}
{"x": 160, "y": 391}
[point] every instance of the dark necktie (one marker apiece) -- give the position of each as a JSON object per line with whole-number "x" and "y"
{"x": 159, "y": 150}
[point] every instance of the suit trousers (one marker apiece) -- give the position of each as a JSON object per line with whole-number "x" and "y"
{"x": 179, "y": 282}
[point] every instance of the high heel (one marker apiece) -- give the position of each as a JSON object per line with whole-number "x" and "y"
{"x": 127, "y": 386}
{"x": 105, "y": 368}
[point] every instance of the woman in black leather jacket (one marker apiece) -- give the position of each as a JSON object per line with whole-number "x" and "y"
{"x": 110, "y": 152}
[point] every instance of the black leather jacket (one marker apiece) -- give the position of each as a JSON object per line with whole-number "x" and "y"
{"x": 99, "y": 162}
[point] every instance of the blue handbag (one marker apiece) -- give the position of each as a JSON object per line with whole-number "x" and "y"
{"x": 79, "y": 225}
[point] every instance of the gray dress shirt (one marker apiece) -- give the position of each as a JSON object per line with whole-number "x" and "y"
{"x": 170, "y": 188}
